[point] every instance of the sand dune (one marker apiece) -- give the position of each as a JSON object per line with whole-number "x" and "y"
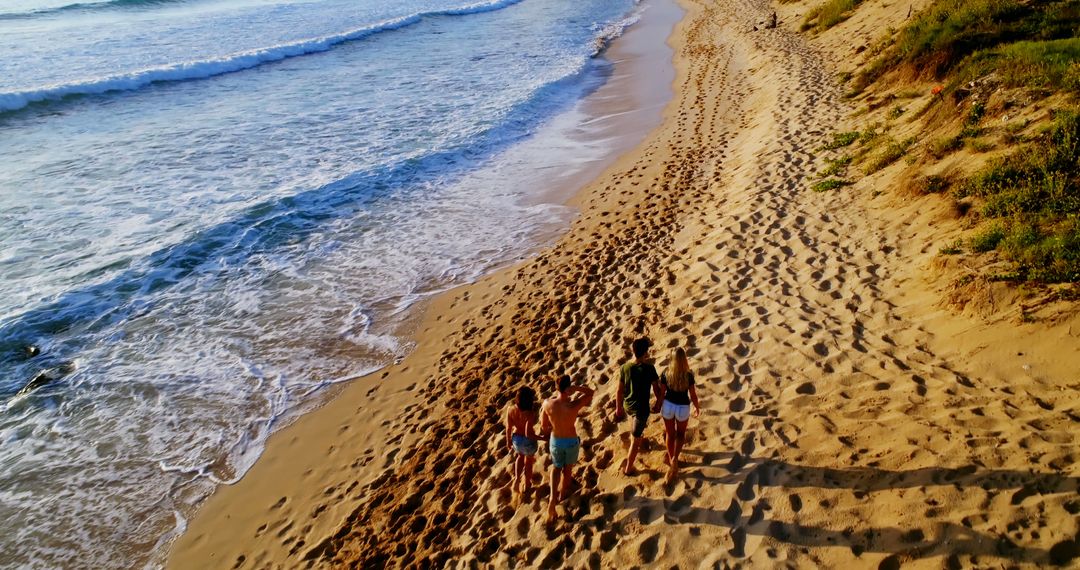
{"x": 836, "y": 431}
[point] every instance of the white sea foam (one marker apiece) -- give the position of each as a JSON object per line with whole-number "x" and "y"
{"x": 610, "y": 32}
{"x": 216, "y": 256}
{"x": 189, "y": 70}
{"x": 49, "y": 10}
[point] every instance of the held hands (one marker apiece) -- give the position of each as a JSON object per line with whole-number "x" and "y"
{"x": 656, "y": 407}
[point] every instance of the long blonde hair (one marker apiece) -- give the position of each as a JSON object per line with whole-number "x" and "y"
{"x": 678, "y": 374}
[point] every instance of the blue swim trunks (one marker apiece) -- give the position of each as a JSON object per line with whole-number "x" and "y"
{"x": 524, "y": 445}
{"x": 565, "y": 450}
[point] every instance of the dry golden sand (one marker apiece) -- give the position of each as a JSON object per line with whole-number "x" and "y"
{"x": 847, "y": 419}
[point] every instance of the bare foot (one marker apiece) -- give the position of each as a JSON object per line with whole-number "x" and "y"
{"x": 672, "y": 473}
{"x": 550, "y": 520}
{"x": 628, "y": 470}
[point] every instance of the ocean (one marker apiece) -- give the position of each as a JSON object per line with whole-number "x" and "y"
{"x": 212, "y": 212}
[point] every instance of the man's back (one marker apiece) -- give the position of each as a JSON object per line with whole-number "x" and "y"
{"x": 563, "y": 415}
{"x": 639, "y": 378}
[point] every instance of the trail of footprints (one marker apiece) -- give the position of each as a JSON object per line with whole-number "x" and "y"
{"x": 779, "y": 304}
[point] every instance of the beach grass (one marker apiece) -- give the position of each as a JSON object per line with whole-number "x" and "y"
{"x": 829, "y": 184}
{"x": 1032, "y": 200}
{"x": 893, "y": 151}
{"x": 835, "y": 166}
{"x": 1026, "y": 43}
{"x": 1028, "y": 197}
{"x": 829, "y": 14}
{"x": 841, "y": 140}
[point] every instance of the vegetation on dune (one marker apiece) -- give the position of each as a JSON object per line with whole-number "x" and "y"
{"x": 829, "y": 184}
{"x": 990, "y": 59}
{"x": 894, "y": 150}
{"x": 955, "y": 248}
{"x": 1050, "y": 65}
{"x": 969, "y": 133}
{"x": 835, "y": 166}
{"x": 932, "y": 184}
{"x": 1028, "y": 41}
{"x": 841, "y": 140}
{"x": 1032, "y": 201}
{"x": 829, "y": 14}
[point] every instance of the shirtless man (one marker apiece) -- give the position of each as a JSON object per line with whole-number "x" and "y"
{"x": 558, "y": 416}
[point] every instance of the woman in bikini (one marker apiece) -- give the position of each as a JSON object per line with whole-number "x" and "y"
{"x": 521, "y": 437}
{"x": 678, "y": 392}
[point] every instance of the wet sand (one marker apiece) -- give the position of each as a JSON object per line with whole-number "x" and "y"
{"x": 848, "y": 419}
{"x": 358, "y": 434}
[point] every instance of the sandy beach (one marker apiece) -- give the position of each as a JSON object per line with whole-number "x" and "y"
{"x": 849, "y": 418}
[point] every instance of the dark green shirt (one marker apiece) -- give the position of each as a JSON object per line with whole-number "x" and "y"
{"x": 638, "y": 381}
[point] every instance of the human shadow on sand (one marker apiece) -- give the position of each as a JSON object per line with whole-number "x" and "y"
{"x": 747, "y": 517}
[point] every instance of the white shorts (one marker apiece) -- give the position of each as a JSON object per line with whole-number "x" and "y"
{"x": 679, "y": 413}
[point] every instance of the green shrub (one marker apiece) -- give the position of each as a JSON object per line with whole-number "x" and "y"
{"x": 1050, "y": 255}
{"x": 1068, "y": 293}
{"x": 987, "y": 240}
{"x": 829, "y": 184}
{"x": 955, "y": 248}
{"x": 939, "y": 148}
{"x": 1039, "y": 178}
{"x": 975, "y": 114}
{"x": 835, "y": 166}
{"x": 1034, "y": 195}
{"x": 893, "y": 151}
{"x": 934, "y": 184}
{"x": 1021, "y": 236}
{"x": 1010, "y": 135}
{"x": 841, "y": 140}
{"x": 979, "y": 145}
{"x": 866, "y": 137}
{"x": 1017, "y": 126}
{"x": 970, "y": 132}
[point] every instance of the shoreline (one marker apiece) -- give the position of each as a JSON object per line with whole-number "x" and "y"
{"x": 841, "y": 425}
{"x": 622, "y": 112}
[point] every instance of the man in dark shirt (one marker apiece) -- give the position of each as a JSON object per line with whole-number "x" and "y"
{"x": 636, "y": 379}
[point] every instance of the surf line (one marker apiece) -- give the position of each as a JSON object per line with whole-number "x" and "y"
{"x": 204, "y": 69}
{"x": 83, "y": 7}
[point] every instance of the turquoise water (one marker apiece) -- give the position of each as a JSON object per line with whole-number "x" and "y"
{"x": 211, "y": 211}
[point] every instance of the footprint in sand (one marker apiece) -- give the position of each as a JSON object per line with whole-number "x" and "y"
{"x": 651, "y": 548}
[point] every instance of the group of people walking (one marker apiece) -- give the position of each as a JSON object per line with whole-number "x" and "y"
{"x": 674, "y": 393}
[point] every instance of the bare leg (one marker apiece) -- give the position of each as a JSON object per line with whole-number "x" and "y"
{"x": 518, "y": 464}
{"x": 527, "y": 473}
{"x": 631, "y": 456}
{"x": 556, "y": 474}
{"x": 669, "y": 438}
{"x": 680, "y": 438}
{"x": 567, "y": 478}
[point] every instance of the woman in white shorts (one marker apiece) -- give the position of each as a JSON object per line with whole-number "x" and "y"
{"x": 678, "y": 393}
